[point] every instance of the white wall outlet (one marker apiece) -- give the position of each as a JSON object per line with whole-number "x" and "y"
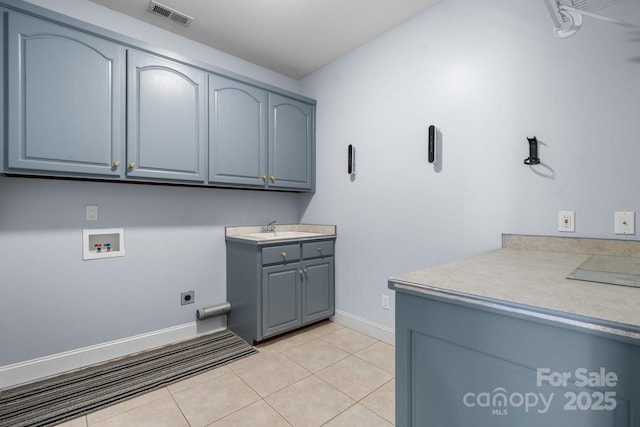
{"x": 567, "y": 221}
{"x": 385, "y": 302}
{"x": 91, "y": 213}
{"x": 625, "y": 223}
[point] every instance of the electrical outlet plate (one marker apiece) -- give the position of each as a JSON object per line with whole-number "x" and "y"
{"x": 91, "y": 212}
{"x": 625, "y": 223}
{"x": 385, "y": 302}
{"x": 187, "y": 298}
{"x": 567, "y": 221}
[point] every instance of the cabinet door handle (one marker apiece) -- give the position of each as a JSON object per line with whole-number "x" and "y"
{"x": 272, "y": 178}
{"x": 264, "y": 178}
{"x": 283, "y": 254}
{"x": 116, "y": 164}
{"x": 305, "y": 270}
{"x": 132, "y": 165}
{"x": 300, "y": 271}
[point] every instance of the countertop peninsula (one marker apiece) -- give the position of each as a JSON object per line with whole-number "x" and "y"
{"x": 529, "y": 275}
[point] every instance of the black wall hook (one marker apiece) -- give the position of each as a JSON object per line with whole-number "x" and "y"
{"x": 533, "y": 152}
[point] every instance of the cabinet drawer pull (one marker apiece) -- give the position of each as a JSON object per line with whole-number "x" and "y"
{"x": 116, "y": 164}
{"x": 132, "y": 165}
{"x": 320, "y": 249}
{"x": 283, "y": 254}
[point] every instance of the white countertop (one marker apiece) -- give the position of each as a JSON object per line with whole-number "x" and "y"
{"x": 531, "y": 272}
{"x": 282, "y": 233}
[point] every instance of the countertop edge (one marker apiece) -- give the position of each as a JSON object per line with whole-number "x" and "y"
{"x": 279, "y": 241}
{"x": 235, "y": 233}
{"x": 583, "y": 322}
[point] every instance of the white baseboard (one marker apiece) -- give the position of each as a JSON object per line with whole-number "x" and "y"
{"x": 46, "y": 366}
{"x": 365, "y": 326}
{"x": 54, "y": 364}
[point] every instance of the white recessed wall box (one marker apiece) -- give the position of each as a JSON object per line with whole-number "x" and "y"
{"x": 102, "y": 243}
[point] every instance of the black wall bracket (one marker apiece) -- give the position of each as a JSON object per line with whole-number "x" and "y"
{"x": 533, "y": 158}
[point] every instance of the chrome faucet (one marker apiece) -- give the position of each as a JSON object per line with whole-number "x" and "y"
{"x": 271, "y": 227}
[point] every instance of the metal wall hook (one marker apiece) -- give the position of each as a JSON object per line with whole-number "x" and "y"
{"x": 533, "y": 158}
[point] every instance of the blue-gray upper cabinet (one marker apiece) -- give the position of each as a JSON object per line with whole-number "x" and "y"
{"x": 65, "y": 110}
{"x": 166, "y": 119}
{"x": 237, "y": 133}
{"x": 291, "y": 144}
{"x": 259, "y": 139}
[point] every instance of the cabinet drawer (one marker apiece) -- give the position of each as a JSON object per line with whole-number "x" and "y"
{"x": 279, "y": 254}
{"x": 317, "y": 249}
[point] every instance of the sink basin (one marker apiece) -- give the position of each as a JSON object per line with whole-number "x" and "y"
{"x": 278, "y": 235}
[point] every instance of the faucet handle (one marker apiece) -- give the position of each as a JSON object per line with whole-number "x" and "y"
{"x": 271, "y": 227}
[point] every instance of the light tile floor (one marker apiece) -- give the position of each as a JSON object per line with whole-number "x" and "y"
{"x": 323, "y": 375}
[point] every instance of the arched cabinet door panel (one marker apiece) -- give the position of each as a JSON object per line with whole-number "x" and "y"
{"x": 291, "y": 143}
{"x": 65, "y": 104}
{"x": 237, "y": 133}
{"x": 167, "y": 121}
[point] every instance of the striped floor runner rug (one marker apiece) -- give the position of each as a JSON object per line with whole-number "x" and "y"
{"x": 75, "y": 393}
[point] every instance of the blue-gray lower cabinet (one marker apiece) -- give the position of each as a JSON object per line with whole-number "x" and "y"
{"x": 281, "y": 293}
{"x": 465, "y": 364}
{"x": 65, "y": 107}
{"x": 318, "y": 289}
{"x": 167, "y": 120}
{"x": 278, "y": 287}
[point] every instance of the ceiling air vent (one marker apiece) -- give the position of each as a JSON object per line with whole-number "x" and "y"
{"x": 167, "y": 12}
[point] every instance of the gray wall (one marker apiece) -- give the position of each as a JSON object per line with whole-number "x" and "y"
{"x": 489, "y": 73}
{"x": 53, "y": 301}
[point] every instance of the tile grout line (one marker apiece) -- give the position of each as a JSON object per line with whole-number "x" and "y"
{"x": 281, "y": 349}
{"x": 186, "y": 420}
{"x": 277, "y": 412}
{"x": 314, "y": 374}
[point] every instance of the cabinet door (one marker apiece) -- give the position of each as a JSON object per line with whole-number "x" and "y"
{"x": 451, "y": 355}
{"x": 65, "y": 100}
{"x": 317, "y": 289}
{"x": 291, "y": 143}
{"x": 237, "y": 133}
{"x": 280, "y": 298}
{"x": 166, "y": 128}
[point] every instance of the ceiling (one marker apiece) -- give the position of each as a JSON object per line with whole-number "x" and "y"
{"x": 292, "y": 37}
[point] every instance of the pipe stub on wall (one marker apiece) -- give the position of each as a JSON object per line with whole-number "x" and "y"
{"x": 212, "y": 311}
